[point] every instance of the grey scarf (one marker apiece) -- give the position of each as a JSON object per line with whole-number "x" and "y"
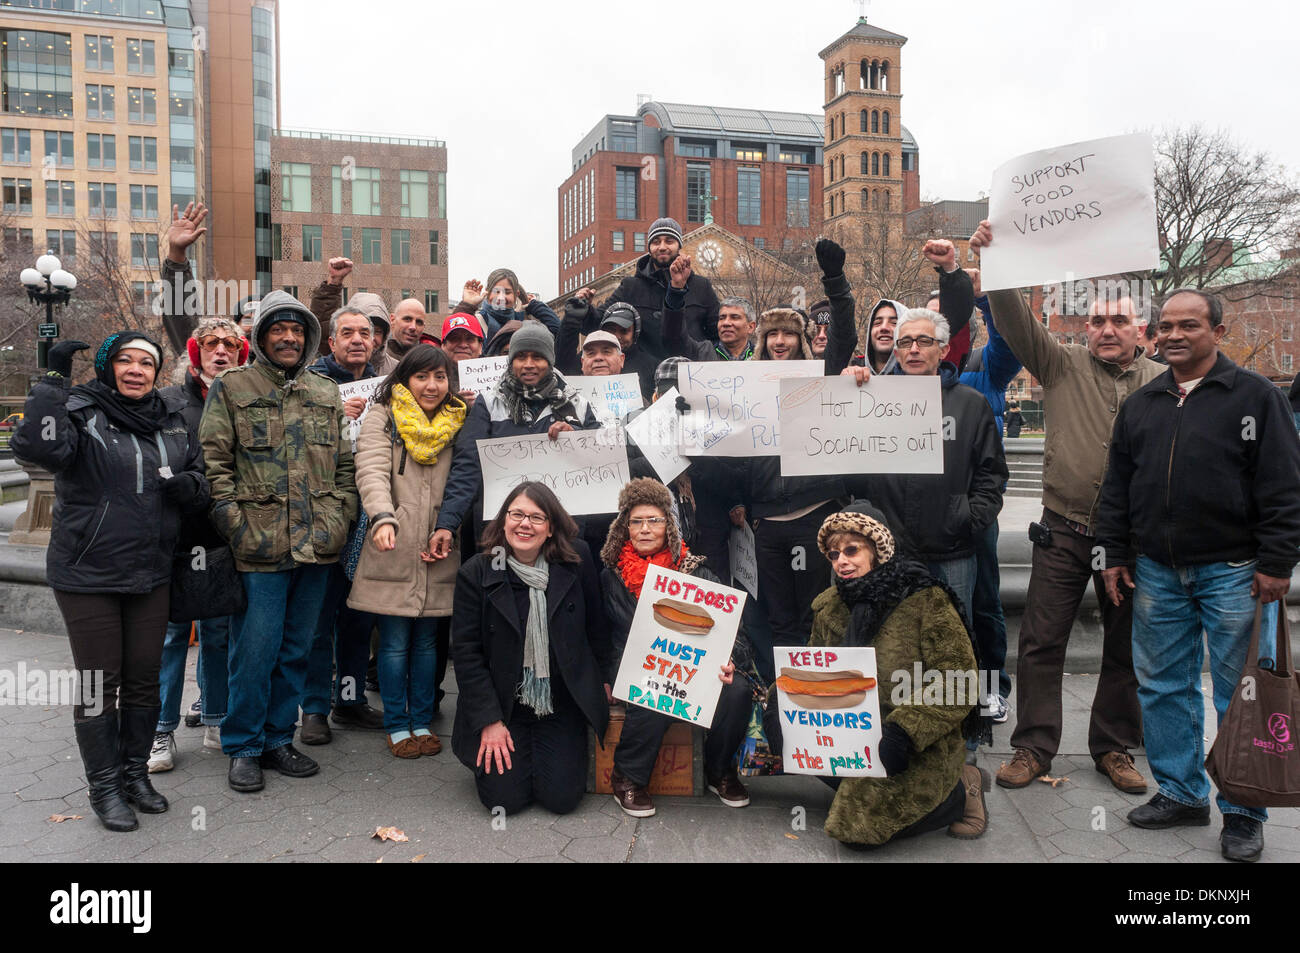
{"x": 535, "y": 690}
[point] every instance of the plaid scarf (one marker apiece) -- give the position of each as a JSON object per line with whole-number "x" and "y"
{"x": 526, "y": 403}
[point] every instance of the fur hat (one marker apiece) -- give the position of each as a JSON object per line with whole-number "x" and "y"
{"x": 645, "y": 491}
{"x": 864, "y": 519}
{"x": 781, "y": 319}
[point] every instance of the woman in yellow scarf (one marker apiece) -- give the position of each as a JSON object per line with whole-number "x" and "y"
{"x": 403, "y": 457}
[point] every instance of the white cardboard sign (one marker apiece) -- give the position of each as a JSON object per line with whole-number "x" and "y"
{"x": 367, "y": 389}
{"x": 481, "y": 373}
{"x": 735, "y": 405}
{"x": 612, "y": 397}
{"x": 742, "y": 553}
{"x": 585, "y": 468}
{"x": 830, "y": 711}
{"x": 656, "y": 433}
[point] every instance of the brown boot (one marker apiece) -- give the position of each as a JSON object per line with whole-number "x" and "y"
{"x": 1118, "y": 766}
{"x": 632, "y": 798}
{"x": 1024, "y": 767}
{"x": 975, "y": 818}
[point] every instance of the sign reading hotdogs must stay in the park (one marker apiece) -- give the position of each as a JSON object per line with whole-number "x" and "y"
{"x": 891, "y": 424}
{"x": 681, "y": 636}
{"x": 830, "y": 711}
{"x": 1077, "y": 211}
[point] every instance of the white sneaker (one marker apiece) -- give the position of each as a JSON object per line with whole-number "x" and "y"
{"x": 212, "y": 737}
{"x": 163, "y": 753}
{"x": 996, "y": 706}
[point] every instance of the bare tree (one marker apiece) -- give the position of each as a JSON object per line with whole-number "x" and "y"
{"x": 768, "y": 278}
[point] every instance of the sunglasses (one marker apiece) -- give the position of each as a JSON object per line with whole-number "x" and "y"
{"x": 212, "y": 343}
{"x": 851, "y": 550}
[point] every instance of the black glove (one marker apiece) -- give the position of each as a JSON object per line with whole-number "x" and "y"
{"x": 183, "y": 489}
{"x": 682, "y": 406}
{"x": 895, "y": 749}
{"x": 830, "y": 257}
{"x": 59, "y": 358}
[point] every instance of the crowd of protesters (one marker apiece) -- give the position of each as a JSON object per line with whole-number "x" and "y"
{"x": 361, "y": 557}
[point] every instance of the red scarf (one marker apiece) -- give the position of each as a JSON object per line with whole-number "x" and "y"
{"x": 632, "y": 565}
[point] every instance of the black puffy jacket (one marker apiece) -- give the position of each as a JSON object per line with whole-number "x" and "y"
{"x": 645, "y": 290}
{"x": 113, "y": 529}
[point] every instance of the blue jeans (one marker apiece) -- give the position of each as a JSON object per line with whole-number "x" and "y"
{"x": 408, "y": 654}
{"x": 269, "y": 642}
{"x": 342, "y": 645}
{"x": 990, "y": 624}
{"x": 214, "y": 668}
{"x": 1171, "y": 607}
{"x": 171, "y": 675}
{"x": 959, "y": 574}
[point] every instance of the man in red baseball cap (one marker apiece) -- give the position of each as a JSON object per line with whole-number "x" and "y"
{"x": 462, "y": 336}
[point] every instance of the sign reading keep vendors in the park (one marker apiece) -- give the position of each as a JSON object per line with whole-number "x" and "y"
{"x": 891, "y": 424}
{"x": 735, "y": 405}
{"x": 585, "y": 468}
{"x": 681, "y": 636}
{"x": 1076, "y": 211}
{"x": 830, "y": 711}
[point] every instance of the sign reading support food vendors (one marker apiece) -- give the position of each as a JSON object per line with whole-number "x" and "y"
{"x": 830, "y": 711}
{"x": 612, "y": 397}
{"x": 585, "y": 468}
{"x": 681, "y": 636}
{"x": 735, "y": 405}
{"x": 1075, "y": 211}
{"x": 891, "y": 424}
{"x": 481, "y": 373}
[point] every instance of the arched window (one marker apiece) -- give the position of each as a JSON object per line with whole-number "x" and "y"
{"x": 863, "y": 72}
{"x": 841, "y": 165}
{"x": 885, "y": 166}
{"x": 863, "y": 170}
{"x": 830, "y": 170}
{"x": 875, "y": 121}
{"x": 875, "y": 163}
{"x": 841, "y": 124}
{"x": 862, "y": 121}
{"x": 864, "y": 199}
{"x": 886, "y": 200}
{"x": 884, "y": 122}
{"x": 830, "y": 130}
{"x": 884, "y": 76}
{"x": 839, "y": 80}
{"x": 830, "y": 209}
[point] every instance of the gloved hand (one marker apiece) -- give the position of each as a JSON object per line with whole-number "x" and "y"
{"x": 830, "y": 258}
{"x": 682, "y": 406}
{"x": 59, "y": 358}
{"x": 183, "y": 489}
{"x": 895, "y": 749}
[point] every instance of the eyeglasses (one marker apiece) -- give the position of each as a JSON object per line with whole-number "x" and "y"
{"x": 924, "y": 340}
{"x": 851, "y": 550}
{"x": 519, "y": 516}
{"x": 646, "y": 521}
{"x": 212, "y": 343}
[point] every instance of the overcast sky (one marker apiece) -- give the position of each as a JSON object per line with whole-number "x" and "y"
{"x": 512, "y": 86}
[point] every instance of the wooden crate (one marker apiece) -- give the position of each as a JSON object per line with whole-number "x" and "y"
{"x": 679, "y": 769}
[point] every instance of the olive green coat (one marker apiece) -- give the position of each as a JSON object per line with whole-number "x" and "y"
{"x": 923, "y": 628}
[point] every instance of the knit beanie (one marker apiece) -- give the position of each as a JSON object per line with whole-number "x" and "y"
{"x": 664, "y": 226}
{"x": 864, "y": 519}
{"x": 116, "y": 342}
{"x": 536, "y": 337}
{"x": 643, "y": 491}
{"x": 820, "y": 314}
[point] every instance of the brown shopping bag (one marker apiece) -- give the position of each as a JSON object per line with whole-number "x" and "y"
{"x": 1254, "y": 760}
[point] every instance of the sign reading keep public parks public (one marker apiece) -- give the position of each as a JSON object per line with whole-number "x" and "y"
{"x": 681, "y": 636}
{"x": 735, "y": 405}
{"x": 830, "y": 711}
{"x": 891, "y": 424}
{"x": 585, "y": 468}
{"x": 1075, "y": 211}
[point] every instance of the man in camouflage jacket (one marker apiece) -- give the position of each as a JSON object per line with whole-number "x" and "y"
{"x": 284, "y": 496}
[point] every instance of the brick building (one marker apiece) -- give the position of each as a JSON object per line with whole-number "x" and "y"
{"x": 380, "y": 201}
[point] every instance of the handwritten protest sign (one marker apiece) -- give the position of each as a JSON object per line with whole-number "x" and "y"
{"x": 612, "y": 397}
{"x": 585, "y": 468}
{"x": 655, "y": 433}
{"x": 743, "y": 556}
{"x": 1076, "y": 211}
{"x": 481, "y": 373}
{"x": 366, "y": 389}
{"x": 892, "y": 424}
{"x": 681, "y": 636}
{"x": 735, "y": 405}
{"x": 830, "y": 711}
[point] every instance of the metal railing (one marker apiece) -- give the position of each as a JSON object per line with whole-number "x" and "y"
{"x": 337, "y": 136}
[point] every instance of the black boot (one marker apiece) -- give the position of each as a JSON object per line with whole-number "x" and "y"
{"x": 138, "y": 726}
{"x": 97, "y": 739}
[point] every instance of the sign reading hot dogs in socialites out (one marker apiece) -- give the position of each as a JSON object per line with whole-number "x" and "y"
{"x": 830, "y": 711}
{"x": 681, "y": 636}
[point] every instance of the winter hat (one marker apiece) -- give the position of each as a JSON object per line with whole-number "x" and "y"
{"x": 864, "y": 519}
{"x": 117, "y": 341}
{"x": 644, "y": 491}
{"x": 821, "y": 314}
{"x": 620, "y": 313}
{"x": 536, "y": 337}
{"x": 666, "y": 374}
{"x": 373, "y": 307}
{"x": 214, "y": 325}
{"x": 781, "y": 319}
{"x": 495, "y": 278}
{"x": 664, "y": 226}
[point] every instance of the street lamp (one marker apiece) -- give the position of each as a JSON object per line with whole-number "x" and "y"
{"x": 47, "y": 284}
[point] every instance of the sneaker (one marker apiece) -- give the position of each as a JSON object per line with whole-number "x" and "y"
{"x": 1118, "y": 766}
{"x": 996, "y": 706}
{"x": 1022, "y": 770}
{"x": 162, "y": 756}
{"x": 632, "y": 798}
{"x": 194, "y": 717}
{"x": 212, "y": 737}
{"x": 1161, "y": 812}
{"x": 730, "y": 791}
{"x": 975, "y": 817}
{"x": 1242, "y": 838}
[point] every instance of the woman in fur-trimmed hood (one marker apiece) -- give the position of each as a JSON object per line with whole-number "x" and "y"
{"x": 793, "y": 346}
